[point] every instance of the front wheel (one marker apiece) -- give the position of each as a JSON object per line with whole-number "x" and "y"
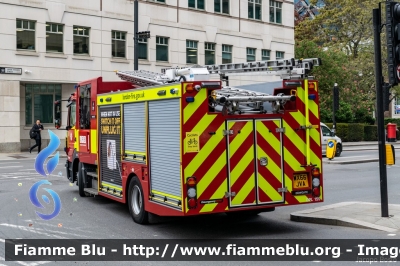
{"x": 136, "y": 202}
{"x": 81, "y": 181}
{"x": 338, "y": 150}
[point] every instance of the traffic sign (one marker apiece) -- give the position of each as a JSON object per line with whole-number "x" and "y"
{"x": 10, "y": 70}
{"x": 331, "y": 149}
{"x": 143, "y": 35}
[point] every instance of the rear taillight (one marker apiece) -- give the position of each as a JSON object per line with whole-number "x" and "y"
{"x": 191, "y": 191}
{"x": 316, "y": 181}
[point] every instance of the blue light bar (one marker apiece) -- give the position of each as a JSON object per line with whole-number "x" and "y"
{"x": 189, "y": 99}
{"x": 312, "y": 96}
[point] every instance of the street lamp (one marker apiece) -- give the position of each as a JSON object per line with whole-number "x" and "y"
{"x": 137, "y": 35}
{"x": 335, "y": 106}
{"x": 135, "y": 38}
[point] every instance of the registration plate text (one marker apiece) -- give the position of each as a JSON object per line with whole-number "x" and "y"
{"x": 300, "y": 181}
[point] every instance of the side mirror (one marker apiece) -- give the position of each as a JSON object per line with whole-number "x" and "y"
{"x": 57, "y": 114}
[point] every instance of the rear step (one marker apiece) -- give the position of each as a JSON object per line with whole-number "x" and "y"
{"x": 93, "y": 174}
{"x": 91, "y": 191}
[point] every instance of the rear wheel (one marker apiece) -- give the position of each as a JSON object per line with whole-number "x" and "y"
{"x": 338, "y": 150}
{"x": 136, "y": 202}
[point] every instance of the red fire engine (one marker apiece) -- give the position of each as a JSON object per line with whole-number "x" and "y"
{"x": 178, "y": 143}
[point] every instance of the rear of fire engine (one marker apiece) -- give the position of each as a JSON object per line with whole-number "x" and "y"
{"x": 178, "y": 144}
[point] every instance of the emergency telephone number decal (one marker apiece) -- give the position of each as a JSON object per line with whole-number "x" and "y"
{"x": 192, "y": 142}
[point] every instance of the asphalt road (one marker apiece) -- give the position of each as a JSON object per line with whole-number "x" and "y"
{"x": 100, "y": 218}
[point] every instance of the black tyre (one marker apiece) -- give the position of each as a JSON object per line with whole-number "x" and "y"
{"x": 338, "y": 150}
{"x": 81, "y": 180}
{"x": 136, "y": 202}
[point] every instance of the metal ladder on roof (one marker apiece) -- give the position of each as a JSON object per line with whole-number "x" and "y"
{"x": 285, "y": 68}
{"x": 142, "y": 78}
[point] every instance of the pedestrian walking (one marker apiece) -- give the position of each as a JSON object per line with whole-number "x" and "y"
{"x": 35, "y": 134}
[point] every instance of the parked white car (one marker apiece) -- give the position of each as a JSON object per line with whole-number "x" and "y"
{"x": 326, "y": 134}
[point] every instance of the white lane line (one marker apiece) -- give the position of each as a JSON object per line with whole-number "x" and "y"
{"x": 32, "y": 230}
{"x": 9, "y": 162}
{"x": 11, "y": 166}
{"x": 2, "y": 259}
{"x": 52, "y": 225}
{"x": 32, "y": 264}
{"x": 27, "y": 169}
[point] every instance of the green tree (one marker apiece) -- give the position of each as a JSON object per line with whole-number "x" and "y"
{"x": 341, "y": 35}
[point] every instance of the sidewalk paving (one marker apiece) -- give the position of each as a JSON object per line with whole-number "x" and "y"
{"x": 352, "y": 214}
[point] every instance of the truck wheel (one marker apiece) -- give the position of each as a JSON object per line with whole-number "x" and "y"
{"x": 136, "y": 202}
{"x": 81, "y": 180}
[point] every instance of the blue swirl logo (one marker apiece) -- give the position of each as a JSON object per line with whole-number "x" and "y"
{"x": 45, "y": 153}
{"x": 35, "y": 201}
{"x": 330, "y": 144}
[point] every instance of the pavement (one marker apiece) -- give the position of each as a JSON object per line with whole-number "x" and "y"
{"x": 350, "y": 214}
{"x": 26, "y": 155}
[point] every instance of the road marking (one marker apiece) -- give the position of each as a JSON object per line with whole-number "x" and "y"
{"x": 2, "y": 240}
{"x": 11, "y": 166}
{"x": 52, "y": 225}
{"x": 32, "y": 230}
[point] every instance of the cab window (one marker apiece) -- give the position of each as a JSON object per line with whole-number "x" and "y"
{"x": 72, "y": 115}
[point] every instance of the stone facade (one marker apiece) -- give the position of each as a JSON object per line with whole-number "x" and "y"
{"x": 172, "y": 19}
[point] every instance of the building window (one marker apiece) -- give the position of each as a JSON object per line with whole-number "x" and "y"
{"x": 142, "y": 48}
{"x": 161, "y": 49}
{"x": 54, "y": 37}
{"x": 254, "y": 7}
{"x": 199, "y": 4}
{"x": 221, "y": 6}
{"x": 209, "y": 53}
{"x": 81, "y": 40}
{"x": 118, "y": 44}
{"x": 265, "y": 55}
{"x": 226, "y": 54}
{"x": 39, "y": 102}
{"x": 280, "y": 55}
{"x": 191, "y": 52}
{"x": 275, "y": 11}
{"x": 251, "y": 54}
{"x": 25, "y": 34}
{"x": 397, "y": 106}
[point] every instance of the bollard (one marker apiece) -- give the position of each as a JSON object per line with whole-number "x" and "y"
{"x": 391, "y": 132}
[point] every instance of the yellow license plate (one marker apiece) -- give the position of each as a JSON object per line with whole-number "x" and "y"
{"x": 300, "y": 181}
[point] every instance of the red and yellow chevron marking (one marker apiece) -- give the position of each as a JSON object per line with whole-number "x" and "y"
{"x": 209, "y": 164}
{"x": 241, "y": 162}
{"x": 270, "y": 177}
{"x": 286, "y": 153}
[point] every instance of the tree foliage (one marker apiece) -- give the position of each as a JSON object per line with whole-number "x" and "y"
{"x": 341, "y": 35}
